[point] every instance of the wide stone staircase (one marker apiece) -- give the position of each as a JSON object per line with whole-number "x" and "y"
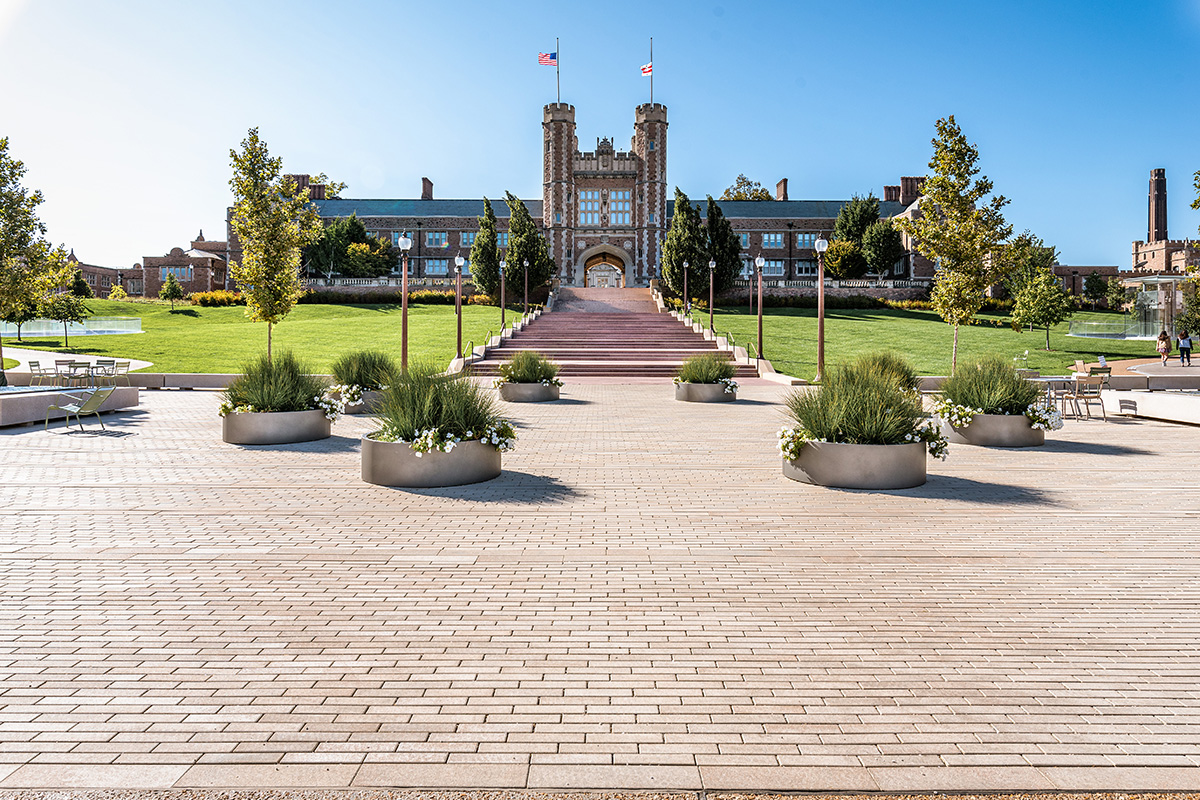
{"x": 606, "y": 333}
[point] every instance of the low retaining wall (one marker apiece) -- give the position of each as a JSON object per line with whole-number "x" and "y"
{"x": 25, "y": 408}
{"x": 1167, "y": 406}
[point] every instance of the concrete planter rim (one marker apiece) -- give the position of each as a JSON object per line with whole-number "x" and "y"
{"x": 528, "y": 392}
{"x": 996, "y": 430}
{"x": 859, "y": 466}
{"x": 703, "y": 393}
{"x": 275, "y": 427}
{"x": 395, "y": 464}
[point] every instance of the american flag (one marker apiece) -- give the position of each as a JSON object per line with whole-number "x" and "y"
{"x": 648, "y": 69}
{"x": 548, "y": 59}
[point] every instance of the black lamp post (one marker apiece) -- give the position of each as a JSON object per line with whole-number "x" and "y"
{"x": 526, "y": 310}
{"x": 821, "y": 247}
{"x": 712, "y": 269}
{"x": 758, "y": 267}
{"x": 502, "y": 298}
{"x": 686, "y": 305}
{"x": 458, "y": 265}
{"x": 404, "y": 243}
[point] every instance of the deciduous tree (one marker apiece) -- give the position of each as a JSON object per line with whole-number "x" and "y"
{"x": 882, "y": 246}
{"x": 745, "y": 189}
{"x": 30, "y": 268}
{"x": 485, "y": 255}
{"x": 1022, "y": 260}
{"x": 171, "y": 290}
{"x": 1116, "y": 293}
{"x": 685, "y": 243}
{"x": 1095, "y": 288}
{"x": 959, "y": 228}
{"x": 346, "y": 248}
{"x": 844, "y": 259}
{"x": 274, "y": 221}
{"x": 1042, "y": 302}
{"x": 65, "y": 307}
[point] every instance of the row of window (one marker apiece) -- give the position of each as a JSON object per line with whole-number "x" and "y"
{"x": 804, "y": 239}
{"x": 775, "y": 267}
{"x": 180, "y": 273}
{"x": 441, "y": 239}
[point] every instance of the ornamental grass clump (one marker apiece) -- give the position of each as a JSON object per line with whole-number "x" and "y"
{"x": 891, "y": 365}
{"x": 990, "y": 385}
{"x": 860, "y": 403}
{"x": 529, "y": 366}
{"x": 706, "y": 368}
{"x": 369, "y": 370}
{"x": 279, "y": 384}
{"x": 431, "y": 411}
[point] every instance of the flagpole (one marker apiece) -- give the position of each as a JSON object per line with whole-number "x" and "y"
{"x": 651, "y": 70}
{"x": 557, "y": 58}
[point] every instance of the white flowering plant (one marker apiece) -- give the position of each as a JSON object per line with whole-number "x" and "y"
{"x": 500, "y": 436}
{"x": 1044, "y": 415}
{"x": 351, "y": 394}
{"x": 708, "y": 368}
{"x": 959, "y": 416}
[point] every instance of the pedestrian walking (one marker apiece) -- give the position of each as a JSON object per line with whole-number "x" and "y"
{"x": 1164, "y": 347}
{"x": 1185, "y": 349}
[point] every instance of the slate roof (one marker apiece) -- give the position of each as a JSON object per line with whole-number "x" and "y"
{"x": 419, "y": 208}
{"x": 785, "y": 209}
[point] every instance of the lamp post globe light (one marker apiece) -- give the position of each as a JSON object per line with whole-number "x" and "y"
{"x": 502, "y": 298}
{"x": 758, "y": 266}
{"x": 404, "y": 243}
{"x": 821, "y": 246}
{"x": 458, "y": 265}
{"x": 712, "y": 267}
{"x": 526, "y": 309}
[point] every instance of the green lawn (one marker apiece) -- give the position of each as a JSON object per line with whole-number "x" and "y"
{"x": 9, "y": 363}
{"x": 195, "y": 339}
{"x": 790, "y": 339}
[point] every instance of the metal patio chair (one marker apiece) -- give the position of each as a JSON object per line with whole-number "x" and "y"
{"x": 85, "y": 403}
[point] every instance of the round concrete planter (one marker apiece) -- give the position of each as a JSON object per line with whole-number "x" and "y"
{"x": 703, "y": 393}
{"x": 395, "y": 464}
{"x": 367, "y": 405}
{"x": 859, "y": 466}
{"x": 275, "y": 427}
{"x": 996, "y": 430}
{"x": 528, "y": 392}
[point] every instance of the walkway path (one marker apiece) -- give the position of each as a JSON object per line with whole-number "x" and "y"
{"x": 23, "y": 356}
{"x": 641, "y": 601}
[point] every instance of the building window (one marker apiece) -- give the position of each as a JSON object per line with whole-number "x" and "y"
{"x": 557, "y": 217}
{"x": 773, "y": 266}
{"x": 806, "y": 239}
{"x": 466, "y": 267}
{"x": 502, "y": 239}
{"x": 180, "y": 273}
{"x": 436, "y": 266}
{"x": 135, "y": 286}
{"x": 772, "y": 240}
{"x": 589, "y": 207}
{"x": 651, "y": 217}
{"x": 806, "y": 268}
{"x": 619, "y": 208}
{"x": 745, "y": 237}
{"x": 90, "y": 279}
{"x": 436, "y": 239}
{"x": 467, "y": 238}
{"x": 651, "y": 145}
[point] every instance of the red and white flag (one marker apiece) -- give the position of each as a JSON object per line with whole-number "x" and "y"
{"x": 648, "y": 69}
{"x": 548, "y": 59}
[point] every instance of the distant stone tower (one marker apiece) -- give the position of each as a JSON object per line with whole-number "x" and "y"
{"x": 650, "y": 206}
{"x": 1157, "y": 228}
{"x": 558, "y": 183}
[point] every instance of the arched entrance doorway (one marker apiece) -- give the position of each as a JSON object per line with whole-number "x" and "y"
{"x": 604, "y": 270}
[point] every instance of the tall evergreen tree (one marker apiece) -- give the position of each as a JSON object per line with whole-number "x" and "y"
{"x": 882, "y": 246}
{"x": 30, "y": 268}
{"x": 485, "y": 255}
{"x": 855, "y": 217}
{"x": 525, "y": 244}
{"x": 685, "y": 243}
{"x": 724, "y": 247}
{"x": 80, "y": 286}
{"x": 958, "y": 228}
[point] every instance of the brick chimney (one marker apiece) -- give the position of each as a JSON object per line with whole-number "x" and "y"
{"x": 316, "y": 191}
{"x": 1157, "y": 229}
{"x": 426, "y": 189}
{"x": 891, "y": 194}
{"x": 910, "y": 189}
{"x": 781, "y": 189}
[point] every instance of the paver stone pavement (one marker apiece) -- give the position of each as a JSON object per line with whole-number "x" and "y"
{"x": 641, "y": 601}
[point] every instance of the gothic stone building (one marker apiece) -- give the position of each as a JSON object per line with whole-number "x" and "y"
{"x": 1160, "y": 253}
{"x": 605, "y": 212}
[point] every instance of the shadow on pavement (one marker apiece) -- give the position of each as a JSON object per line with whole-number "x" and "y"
{"x": 511, "y": 487}
{"x": 1091, "y": 448}
{"x": 947, "y": 487}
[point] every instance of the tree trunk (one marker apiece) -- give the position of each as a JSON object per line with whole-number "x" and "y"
{"x": 268, "y": 341}
{"x": 954, "y": 353}
{"x": 1047, "y": 338}
{"x": 66, "y": 341}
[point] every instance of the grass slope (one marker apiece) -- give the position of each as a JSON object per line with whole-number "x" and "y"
{"x": 195, "y": 339}
{"x": 790, "y": 339}
{"x": 9, "y": 363}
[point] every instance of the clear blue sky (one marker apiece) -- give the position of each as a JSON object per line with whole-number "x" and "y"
{"x": 124, "y": 111}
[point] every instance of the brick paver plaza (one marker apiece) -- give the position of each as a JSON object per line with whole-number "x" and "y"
{"x": 641, "y": 601}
